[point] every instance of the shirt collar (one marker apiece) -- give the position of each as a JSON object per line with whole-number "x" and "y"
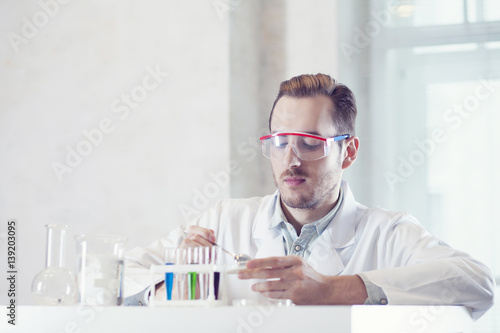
{"x": 279, "y": 217}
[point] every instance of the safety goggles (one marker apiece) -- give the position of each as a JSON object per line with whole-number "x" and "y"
{"x": 306, "y": 146}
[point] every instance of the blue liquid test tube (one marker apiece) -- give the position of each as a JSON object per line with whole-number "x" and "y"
{"x": 169, "y": 277}
{"x": 169, "y": 283}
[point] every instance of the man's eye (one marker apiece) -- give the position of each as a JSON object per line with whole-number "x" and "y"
{"x": 281, "y": 144}
{"x": 311, "y": 146}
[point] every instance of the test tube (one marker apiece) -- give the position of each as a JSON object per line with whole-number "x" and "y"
{"x": 170, "y": 257}
{"x": 204, "y": 259}
{"x": 192, "y": 259}
{"x": 215, "y": 258}
{"x": 180, "y": 259}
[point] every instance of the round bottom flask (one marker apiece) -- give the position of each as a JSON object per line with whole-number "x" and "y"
{"x": 55, "y": 285}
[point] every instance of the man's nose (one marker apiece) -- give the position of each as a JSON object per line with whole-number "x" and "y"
{"x": 291, "y": 159}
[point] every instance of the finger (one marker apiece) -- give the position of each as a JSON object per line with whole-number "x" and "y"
{"x": 205, "y": 233}
{"x": 274, "y": 262}
{"x": 194, "y": 241}
{"x": 200, "y": 240}
{"x": 266, "y": 273}
{"x": 286, "y": 273}
{"x": 275, "y": 294}
{"x": 272, "y": 289}
{"x": 268, "y": 286}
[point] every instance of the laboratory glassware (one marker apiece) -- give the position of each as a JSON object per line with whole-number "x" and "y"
{"x": 55, "y": 284}
{"x": 100, "y": 269}
{"x": 240, "y": 259}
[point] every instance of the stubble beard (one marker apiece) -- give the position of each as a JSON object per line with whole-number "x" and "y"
{"x": 317, "y": 193}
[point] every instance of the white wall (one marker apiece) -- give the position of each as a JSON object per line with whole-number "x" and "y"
{"x": 66, "y": 69}
{"x": 68, "y": 76}
{"x": 312, "y": 40}
{"x": 271, "y": 41}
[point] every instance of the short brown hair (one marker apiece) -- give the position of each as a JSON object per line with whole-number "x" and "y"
{"x": 308, "y": 85}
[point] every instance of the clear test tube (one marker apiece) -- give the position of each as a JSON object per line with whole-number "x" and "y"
{"x": 170, "y": 258}
{"x": 204, "y": 259}
{"x": 181, "y": 259}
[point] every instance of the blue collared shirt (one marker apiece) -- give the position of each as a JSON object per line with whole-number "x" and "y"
{"x": 302, "y": 244}
{"x": 309, "y": 234}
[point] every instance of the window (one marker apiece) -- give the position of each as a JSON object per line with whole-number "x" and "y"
{"x": 427, "y": 77}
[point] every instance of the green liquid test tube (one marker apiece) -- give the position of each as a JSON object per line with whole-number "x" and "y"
{"x": 192, "y": 285}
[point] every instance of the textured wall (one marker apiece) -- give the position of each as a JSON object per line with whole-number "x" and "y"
{"x": 128, "y": 117}
{"x": 113, "y": 119}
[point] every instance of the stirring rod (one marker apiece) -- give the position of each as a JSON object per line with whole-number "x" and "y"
{"x": 214, "y": 244}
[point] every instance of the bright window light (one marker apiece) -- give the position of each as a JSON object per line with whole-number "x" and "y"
{"x": 449, "y": 48}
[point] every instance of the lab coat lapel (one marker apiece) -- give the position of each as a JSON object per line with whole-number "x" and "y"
{"x": 340, "y": 234}
{"x": 324, "y": 257}
{"x": 269, "y": 241}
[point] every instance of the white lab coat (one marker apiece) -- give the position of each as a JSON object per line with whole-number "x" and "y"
{"x": 391, "y": 248}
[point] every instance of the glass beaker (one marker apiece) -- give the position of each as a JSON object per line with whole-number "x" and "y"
{"x": 55, "y": 285}
{"x": 100, "y": 269}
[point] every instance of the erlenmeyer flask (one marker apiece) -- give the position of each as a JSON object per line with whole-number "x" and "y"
{"x": 55, "y": 285}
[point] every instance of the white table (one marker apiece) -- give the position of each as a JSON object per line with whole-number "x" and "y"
{"x": 355, "y": 319}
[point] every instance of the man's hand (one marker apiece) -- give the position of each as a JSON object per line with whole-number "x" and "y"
{"x": 292, "y": 278}
{"x": 198, "y": 236}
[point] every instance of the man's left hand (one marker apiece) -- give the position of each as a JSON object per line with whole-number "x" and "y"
{"x": 291, "y": 277}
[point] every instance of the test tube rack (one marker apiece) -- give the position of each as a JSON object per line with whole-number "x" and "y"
{"x": 180, "y": 272}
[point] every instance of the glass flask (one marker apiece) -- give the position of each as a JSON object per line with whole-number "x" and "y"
{"x": 55, "y": 285}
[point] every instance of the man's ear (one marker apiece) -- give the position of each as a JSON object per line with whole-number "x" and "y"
{"x": 351, "y": 152}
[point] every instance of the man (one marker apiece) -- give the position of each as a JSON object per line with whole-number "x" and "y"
{"x": 313, "y": 243}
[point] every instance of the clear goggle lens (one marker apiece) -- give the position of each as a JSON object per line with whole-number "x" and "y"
{"x": 307, "y": 147}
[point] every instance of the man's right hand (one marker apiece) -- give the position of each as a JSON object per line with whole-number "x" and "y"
{"x": 198, "y": 236}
